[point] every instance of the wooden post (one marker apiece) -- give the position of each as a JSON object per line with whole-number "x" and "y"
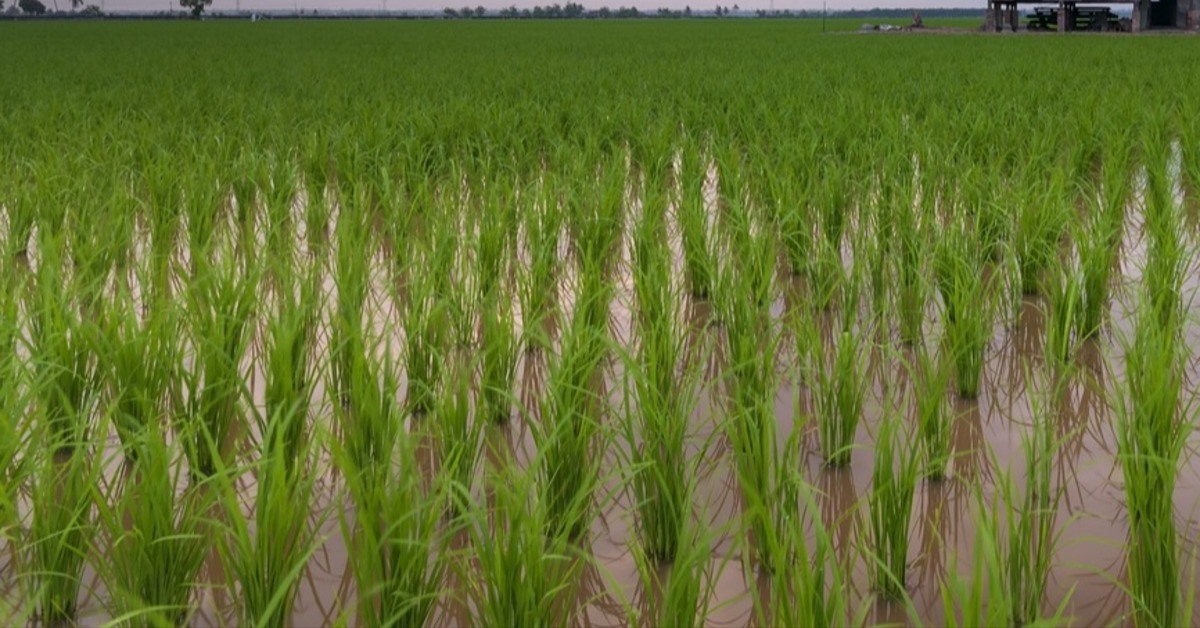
{"x": 1062, "y": 16}
{"x": 1013, "y": 16}
{"x": 1141, "y": 15}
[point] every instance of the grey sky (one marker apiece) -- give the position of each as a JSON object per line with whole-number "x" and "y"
{"x": 427, "y": 5}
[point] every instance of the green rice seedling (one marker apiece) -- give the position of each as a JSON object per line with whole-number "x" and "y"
{"x": 1029, "y": 520}
{"x": 567, "y": 429}
{"x": 15, "y": 432}
{"x": 967, "y": 306}
{"x": 658, "y": 398}
{"x": 60, "y": 534}
{"x": 221, "y": 303}
{"x": 696, "y": 231}
{"x": 459, "y": 437}
{"x": 1168, "y": 257}
{"x": 1040, "y": 224}
{"x": 265, "y": 554}
{"x": 910, "y": 270}
{"x": 393, "y": 526}
{"x": 138, "y": 358}
{"x": 1152, "y": 429}
{"x": 752, "y": 386}
{"x": 935, "y": 417}
{"x": 683, "y": 594}
{"x": 893, "y": 483}
{"x": 351, "y": 276}
{"x": 794, "y": 220}
{"x": 981, "y": 597}
{"x": 1062, "y": 305}
{"x": 538, "y": 277}
{"x": 290, "y": 377}
{"x": 61, "y": 347}
{"x": 426, "y": 331}
{"x": 1097, "y": 257}
{"x": 371, "y": 420}
{"x": 158, "y": 536}
{"x": 517, "y": 574}
{"x": 839, "y": 383}
{"x": 394, "y": 530}
{"x": 826, "y": 276}
{"x": 810, "y": 585}
{"x": 498, "y": 356}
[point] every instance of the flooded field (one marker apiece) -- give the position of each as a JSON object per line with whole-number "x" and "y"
{"x": 609, "y": 326}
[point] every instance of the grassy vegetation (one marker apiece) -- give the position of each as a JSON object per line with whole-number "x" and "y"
{"x": 487, "y": 303}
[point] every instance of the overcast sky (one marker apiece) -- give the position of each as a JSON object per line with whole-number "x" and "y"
{"x": 427, "y": 5}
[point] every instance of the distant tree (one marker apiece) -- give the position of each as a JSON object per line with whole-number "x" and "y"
{"x": 449, "y": 13}
{"x": 604, "y": 13}
{"x": 91, "y": 10}
{"x": 480, "y": 11}
{"x": 75, "y": 4}
{"x": 687, "y": 11}
{"x": 32, "y": 7}
{"x": 574, "y": 10}
{"x": 466, "y": 12}
{"x": 510, "y": 12}
{"x": 195, "y": 6}
{"x": 736, "y": 8}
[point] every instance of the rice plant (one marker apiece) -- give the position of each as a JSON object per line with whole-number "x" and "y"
{"x": 839, "y": 384}
{"x": 893, "y": 483}
{"x": 61, "y": 533}
{"x": 158, "y": 536}
{"x": 659, "y": 396}
{"x": 967, "y": 306}
{"x": 220, "y": 305}
{"x": 1152, "y": 426}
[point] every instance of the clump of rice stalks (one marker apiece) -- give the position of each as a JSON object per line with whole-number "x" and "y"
{"x": 682, "y": 596}
{"x": 518, "y": 574}
{"x": 1062, "y": 306}
{"x": 826, "y": 275}
{"x": 1152, "y": 430}
{"x": 566, "y": 429}
{"x": 158, "y": 536}
{"x": 935, "y": 417}
{"x": 695, "y": 224}
{"x": 351, "y": 277}
{"x": 138, "y": 362}
{"x": 838, "y": 378}
{"x": 61, "y": 534}
{"x": 1040, "y": 223}
{"x": 809, "y": 583}
{"x": 393, "y": 527}
{"x": 538, "y": 277}
{"x": 1029, "y": 520}
{"x": 1096, "y": 241}
{"x": 290, "y": 379}
{"x": 61, "y": 346}
{"x": 893, "y": 483}
{"x": 498, "y": 357}
{"x": 967, "y": 305}
{"x": 659, "y": 398}
{"x": 220, "y": 308}
{"x": 265, "y": 555}
{"x": 910, "y": 271}
{"x": 459, "y": 438}
{"x": 426, "y": 330}
{"x": 752, "y": 386}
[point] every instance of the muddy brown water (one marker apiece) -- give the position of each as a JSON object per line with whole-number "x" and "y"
{"x": 1089, "y": 562}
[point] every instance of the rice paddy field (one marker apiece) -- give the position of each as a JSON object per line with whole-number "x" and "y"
{"x": 616, "y": 323}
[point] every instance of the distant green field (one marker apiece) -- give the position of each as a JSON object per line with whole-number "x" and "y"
{"x": 645, "y": 323}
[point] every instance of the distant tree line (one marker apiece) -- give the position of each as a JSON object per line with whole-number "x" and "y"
{"x": 572, "y": 10}
{"x": 575, "y": 11}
